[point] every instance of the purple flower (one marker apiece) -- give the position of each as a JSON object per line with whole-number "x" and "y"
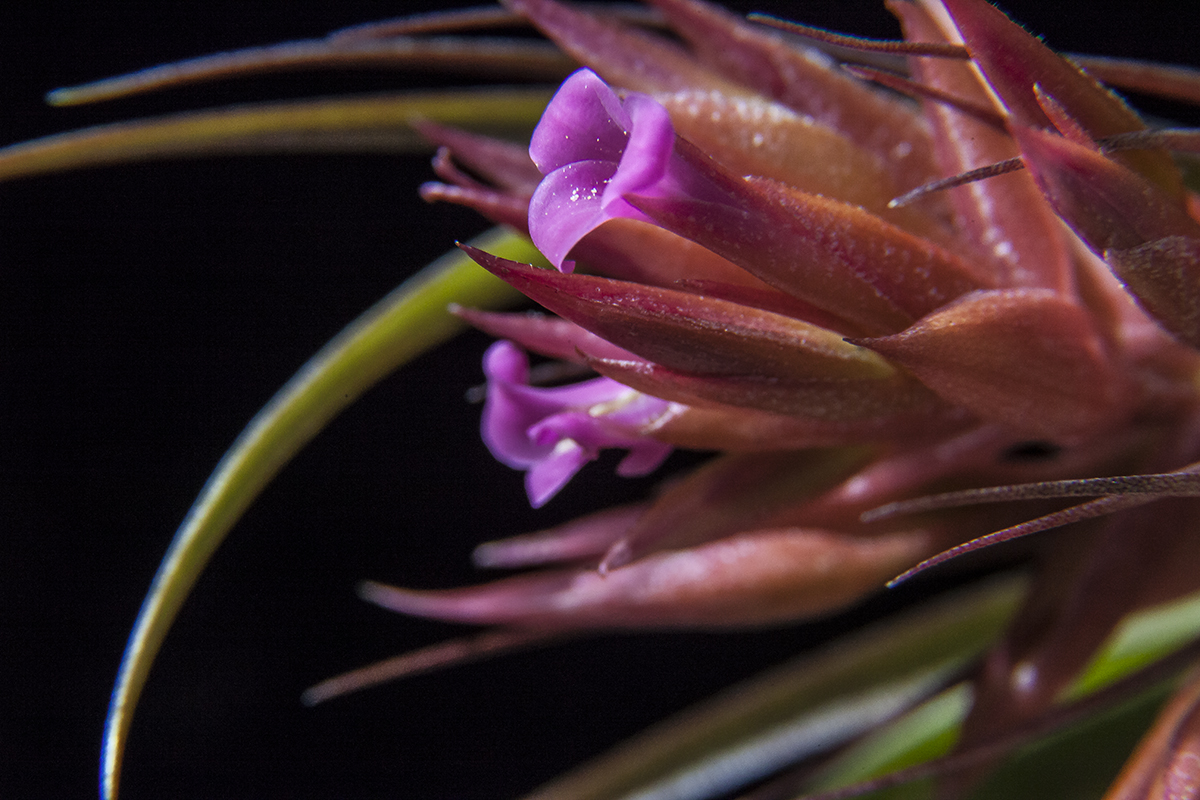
{"x": 551, "y": 433}
{"x": 844, "y": 357}
{"x": 595, "y": 149}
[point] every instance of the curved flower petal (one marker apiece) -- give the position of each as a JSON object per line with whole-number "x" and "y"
{"x": 646, "y": 159}
{"x": 585, "y": 120}
{"x": 568, "y": 205}
{"x": 595, "y": 149}
{"x": 551, "y": 433}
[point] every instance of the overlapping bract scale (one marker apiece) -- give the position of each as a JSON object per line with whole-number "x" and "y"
{"x": 747, "y": 285}
{"x": 729, "y": 198}
{"x": 733, "y": 276}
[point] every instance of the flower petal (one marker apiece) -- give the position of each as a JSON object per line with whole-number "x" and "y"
{"x": 551, "y": 433}
{"x": 567, "y": 205}
{"x": 549, "y": 474}
{"x": 584, "y": 121}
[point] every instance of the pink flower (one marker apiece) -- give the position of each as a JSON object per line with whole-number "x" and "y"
{"x": 595, "y": 149}
{"x": 552, "y": 433}
{"x": 874, "y": 377}
{"x": 952, "y": 335}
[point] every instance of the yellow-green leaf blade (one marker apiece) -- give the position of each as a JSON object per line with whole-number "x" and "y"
{"x": 375, "y": 123}
{"x": 528, "y": 60}
{"x": 931, "y": 730}
{"x": 409, "y": 321}
{"x": 817, "y": 701}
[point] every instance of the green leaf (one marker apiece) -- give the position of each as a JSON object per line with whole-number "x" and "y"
{"x": 1142, "y": 638}
{"x": 1079, "y": 762}
{"x": 930, "y": 730}
{"x": 814, "y": 703}
{"x": 529, "y": 60}
{"x": 846, "y": 689}
{"x": 926, "y": 732}
{"x": 408, "y": 322}
{"x": 374, "y": 123}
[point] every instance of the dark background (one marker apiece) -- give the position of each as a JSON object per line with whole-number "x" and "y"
{"x": 147, "y": 312}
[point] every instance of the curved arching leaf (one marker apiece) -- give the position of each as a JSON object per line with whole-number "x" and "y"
{"x": 372, "y": 123}
{"x": 412, "y": 319}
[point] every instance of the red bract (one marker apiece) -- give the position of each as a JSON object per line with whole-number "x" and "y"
{"x": 976, "y": 325}
{"x": 769, "y": 270}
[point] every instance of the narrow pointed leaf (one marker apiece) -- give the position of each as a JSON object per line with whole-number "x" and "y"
{"x": 553, "y": 337}
{"x": 760, "y": 577}
{"x": 1165, "y": 762}
{"x": 1165, "y": 276}
{"x": 1151, "y": 243}
{"x": 1014, "y": 62}
{"x": 498, "y": 207}
{"x": 580, "y": 539}
{"x": 733, "y": 493}
{"x": 1164, "y": 80}
{"x": 730, "y": 429}
{"x": 812, "y": 704}
{"x": 642, "y": 252}
{"x": 522, "y": 59}
{"x": 691, "y": 332}
{"x": 837, "y": 400}
{"x": 836, "y": 256}
{"x": 503, "y": 164}
{"x": 930, "y": 730}
{"x": 753, "y": 136}
{"x": 403, "y": 325}
{"x": 624, "y": 56}
{"x": 1072, "y": 613}
{"x": 1140, "y": 639}
{"x": 379, "y": 123}
{"x": 1107, "y": 204}
{"x": 1004, "y": 214}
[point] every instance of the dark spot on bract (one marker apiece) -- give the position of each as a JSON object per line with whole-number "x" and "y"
{"x": 1031, "y": 451}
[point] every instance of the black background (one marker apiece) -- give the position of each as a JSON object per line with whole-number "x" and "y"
{"x": 147, "y": 312}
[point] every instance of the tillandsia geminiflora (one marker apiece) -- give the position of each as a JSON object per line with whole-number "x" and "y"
{"x": 919, "y": 298}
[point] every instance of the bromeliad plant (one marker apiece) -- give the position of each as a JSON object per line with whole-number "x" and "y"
{"x": 909, "y": 321}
